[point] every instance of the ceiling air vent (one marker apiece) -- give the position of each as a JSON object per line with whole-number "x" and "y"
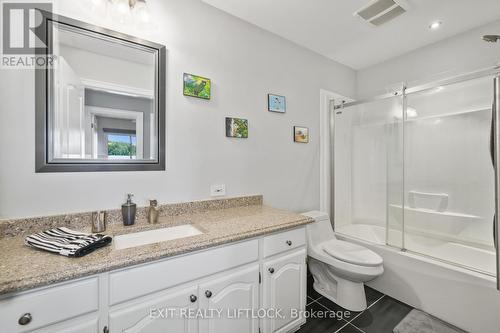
{"x": 382, "y": 11}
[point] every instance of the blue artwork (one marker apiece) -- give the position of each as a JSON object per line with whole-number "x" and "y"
{"x": 276, "y": 103}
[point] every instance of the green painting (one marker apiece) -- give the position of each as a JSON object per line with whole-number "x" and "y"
{"x": 237, "y": 128}
{"x": 196, "y": 86}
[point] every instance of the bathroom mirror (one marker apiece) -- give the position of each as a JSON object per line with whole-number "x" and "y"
{"x": 100, "y": 101}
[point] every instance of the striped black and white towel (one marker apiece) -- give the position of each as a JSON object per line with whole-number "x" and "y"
{"x": 67, "y": 242}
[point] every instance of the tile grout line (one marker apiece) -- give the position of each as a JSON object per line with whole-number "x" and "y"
{"x": 359, "y": 314}
{"x": 348, "y": 322}
{"x": 356, "y": 327}
{"x": 313, "y": 300}
{"x": 376, "y": 301}
{"x": 325, "y": 307}
{"x": 340, "y": 329}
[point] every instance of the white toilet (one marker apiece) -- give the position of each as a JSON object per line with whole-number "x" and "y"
{"x": 339, "y": 268}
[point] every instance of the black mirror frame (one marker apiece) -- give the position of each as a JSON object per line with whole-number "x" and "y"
{"x": 42, "y": 163}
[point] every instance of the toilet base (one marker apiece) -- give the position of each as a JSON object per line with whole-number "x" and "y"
{"x": 348, "y": 294}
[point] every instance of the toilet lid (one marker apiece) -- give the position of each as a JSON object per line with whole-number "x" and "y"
{"x": 352, "y": 253}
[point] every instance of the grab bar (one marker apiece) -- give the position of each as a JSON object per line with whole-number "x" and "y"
{"x": 495, "y": 150}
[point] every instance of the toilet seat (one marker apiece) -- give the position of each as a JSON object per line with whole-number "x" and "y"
{"x": 351, "y": 253}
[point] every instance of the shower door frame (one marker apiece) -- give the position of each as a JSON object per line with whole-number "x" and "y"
{"x": 496, "y": 154}
{"x": 493, "y": 72}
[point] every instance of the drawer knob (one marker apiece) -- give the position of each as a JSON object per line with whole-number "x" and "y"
{"x": 289, "y": 242}
{"x": 25, "y": 319}
{"x": 193, "y": 298}
{"x": 271, "y": 270}
{"x": 208, "y": 293}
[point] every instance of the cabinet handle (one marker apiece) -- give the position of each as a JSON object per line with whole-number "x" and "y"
{"x": 289, "y": 242}
{"x": 271, "y": 270}
{"x": 193, "y": 298}
{"x": 105, "y": 329}
{"x": 208, "y": 293}
{"x": 25, "y": 319}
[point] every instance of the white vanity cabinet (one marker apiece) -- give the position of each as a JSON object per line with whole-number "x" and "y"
{"x": 236, "y": 290}
{"x": 162, "y": 312}
{"x": 217, "y": 290}
{"x": 193, "y": 309}
{"x": 66, "y": 307}
{"x": 284, "y": 287}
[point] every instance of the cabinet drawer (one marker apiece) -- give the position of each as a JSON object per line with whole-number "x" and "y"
{"x": 50, "y": 305}
{"x": 284, "y": 241}
{"x": 141, "y": 280}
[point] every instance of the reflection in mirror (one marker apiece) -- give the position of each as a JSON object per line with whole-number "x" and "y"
{"x": 102, "y": 98}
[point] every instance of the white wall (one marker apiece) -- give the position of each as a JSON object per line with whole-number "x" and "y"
{"x": 457, "y": 55}
{"x": 245, "y": 63}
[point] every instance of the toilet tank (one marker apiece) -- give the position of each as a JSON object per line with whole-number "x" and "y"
{"x": 320, "y": 230}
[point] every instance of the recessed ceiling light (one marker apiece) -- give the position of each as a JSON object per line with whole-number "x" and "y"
{"x": 435, "y": 25}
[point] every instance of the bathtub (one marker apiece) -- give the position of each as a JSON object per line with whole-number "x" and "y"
{"x": 465, "y": 298}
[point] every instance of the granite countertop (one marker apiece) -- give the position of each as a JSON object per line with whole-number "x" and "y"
{"x": 22, "y": 267}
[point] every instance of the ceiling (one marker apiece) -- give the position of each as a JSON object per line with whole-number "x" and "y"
{"x": 329, "y": 27}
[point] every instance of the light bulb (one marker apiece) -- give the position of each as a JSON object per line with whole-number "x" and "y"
{"x": 141, "y": 11}
{"x": 98, "y": 5}
{"x": 122, "y": 6}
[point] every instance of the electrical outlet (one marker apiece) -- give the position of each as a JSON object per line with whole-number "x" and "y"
{"x": 218, "y": 190}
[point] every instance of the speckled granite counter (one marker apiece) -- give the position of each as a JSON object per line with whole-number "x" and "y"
{"x": 24, "y": 268}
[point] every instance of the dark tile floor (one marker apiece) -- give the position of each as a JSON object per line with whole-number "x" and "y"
{"x": 381, "y": 316}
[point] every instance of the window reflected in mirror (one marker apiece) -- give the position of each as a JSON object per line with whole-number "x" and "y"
{"x": 102, "y": 98}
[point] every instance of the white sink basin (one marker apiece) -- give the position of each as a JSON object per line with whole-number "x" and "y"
{"x": 154, "y": 236}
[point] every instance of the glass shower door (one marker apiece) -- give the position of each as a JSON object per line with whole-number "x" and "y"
{"x": 368, "y": 170}
{"x": 449, "y": 175}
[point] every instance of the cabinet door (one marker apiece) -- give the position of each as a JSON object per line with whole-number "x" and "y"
{"x": 165, "y": 312}
{"x": 284, "y": 287}
{"x": 84, "y": 324}
{"x": 236, "y": 290}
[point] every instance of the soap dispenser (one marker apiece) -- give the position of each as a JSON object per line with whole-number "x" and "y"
{"x": 128, "y": 211}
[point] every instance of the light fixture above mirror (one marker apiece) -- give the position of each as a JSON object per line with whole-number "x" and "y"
{"x": 124, "y": 9}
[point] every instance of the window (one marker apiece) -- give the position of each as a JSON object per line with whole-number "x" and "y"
{"x": 121, "y": 146}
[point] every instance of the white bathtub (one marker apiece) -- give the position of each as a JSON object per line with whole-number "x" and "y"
{"x": 459, "y": 296}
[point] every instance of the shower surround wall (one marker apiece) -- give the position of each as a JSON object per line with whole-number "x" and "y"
{"x": 460, "y": 296}
{"x": 245, "y": 63}
{"x": 446, "y": 154}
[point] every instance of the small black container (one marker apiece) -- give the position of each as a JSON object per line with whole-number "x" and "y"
{"x": 128, "y": 211}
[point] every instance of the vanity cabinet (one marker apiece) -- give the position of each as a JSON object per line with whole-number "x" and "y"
{"x": 84, "y": 324}
{"x": 164, "y": 295}
{"x": 159, "y": 313}
{"x": 207, "y": 307}
{"x": 49, "y": 306}
{"x": 237, "y": 290}
{"x": 284, "y": 287}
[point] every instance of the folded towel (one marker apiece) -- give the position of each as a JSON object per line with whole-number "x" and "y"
{"x": 67, "y": 242}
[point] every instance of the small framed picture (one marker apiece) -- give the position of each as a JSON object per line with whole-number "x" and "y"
{"x": 236, "y": 128}
{"x": 300, "y": 134}
{"x": 276, "y": 103}
{"x": 196, "y": 86}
